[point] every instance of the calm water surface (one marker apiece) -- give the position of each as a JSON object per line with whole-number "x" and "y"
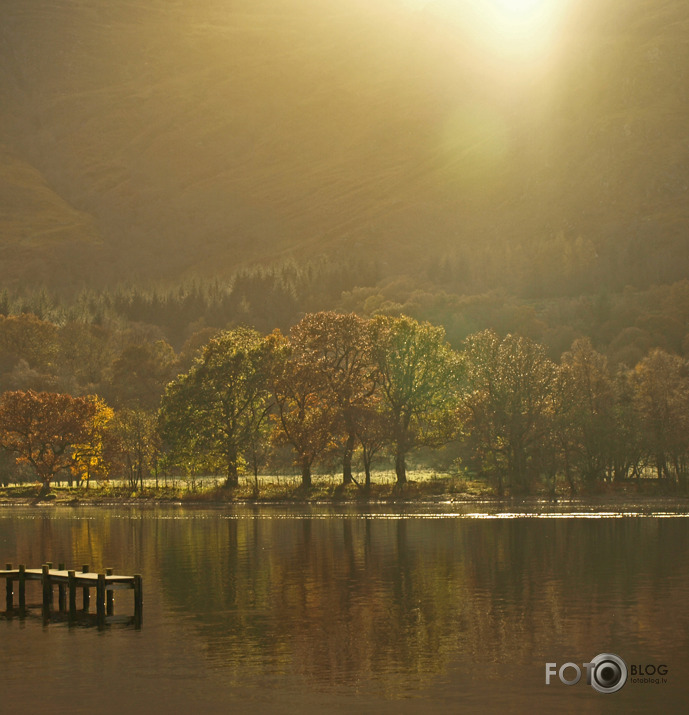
{"x": 311, "y": 610}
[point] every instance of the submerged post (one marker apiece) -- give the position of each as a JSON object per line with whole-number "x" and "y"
{"x": 85, "y": 592}
{"x": 22, "y": 590}
{"x": 9, "y": 590}
{"x": 138, "y": 601}
{"x": 61, "y": 591}
{"x": 72, "y": 585}
{"x": 100, "y": 599}
{"x": 47, "y": 589}
{"x": 110, "y": 596}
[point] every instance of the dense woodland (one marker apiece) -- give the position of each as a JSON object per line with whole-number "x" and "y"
{"x": 335, "y": 392}
{"x": 539, "y": 295}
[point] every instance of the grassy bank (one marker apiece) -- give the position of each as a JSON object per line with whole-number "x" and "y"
{"x": 421, "y": 487}
{"x": 268, "y": 491}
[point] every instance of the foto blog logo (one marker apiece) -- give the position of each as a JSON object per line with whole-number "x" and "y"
{"x": 606, "y": 673}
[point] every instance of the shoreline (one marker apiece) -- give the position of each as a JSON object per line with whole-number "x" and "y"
{"x": 413, "y": 494}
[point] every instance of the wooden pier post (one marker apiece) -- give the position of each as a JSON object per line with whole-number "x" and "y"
{"x": 72, "y": 585}
{"x": 100, "y": 599}
{"x": 61, "y": 592}
{"x": 110, "y": 596}
{"x": 138, "y": 601}
{"x": 85, "y": 592}
{"x": 9, "y": 590}
{"x": 22, "y": 590}
{"x": 47, "y": 589}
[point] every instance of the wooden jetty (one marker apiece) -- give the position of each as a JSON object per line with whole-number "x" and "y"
{"x": 68, "y": 584}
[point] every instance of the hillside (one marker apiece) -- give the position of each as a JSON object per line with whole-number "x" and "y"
{"x": 161, "y": 140}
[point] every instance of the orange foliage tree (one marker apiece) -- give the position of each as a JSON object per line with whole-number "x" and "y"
{"x": 304, "y": 417}
{"x": 337, "y": 348}
{"x": 46, "y": 429}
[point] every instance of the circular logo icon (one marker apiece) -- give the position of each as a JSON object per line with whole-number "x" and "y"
{"x": 608, "y": 673}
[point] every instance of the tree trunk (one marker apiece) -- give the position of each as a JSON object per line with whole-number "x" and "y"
{"x": 43, "y": 491}
{"x": 517, "y": 462}
{"x": 347, "y": 460}
{"x": 130, "y": 473}
{"x": 401, "y": 466}
{"x": 660, "y": 465}
{"x": 367, "y": 467}
{"x": 232, "y": 479}
{"x": 306, "y": 473}
{"x": 568, "y": 473}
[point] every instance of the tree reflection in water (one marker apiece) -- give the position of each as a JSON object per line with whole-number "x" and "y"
{"x": 392, "y": 603}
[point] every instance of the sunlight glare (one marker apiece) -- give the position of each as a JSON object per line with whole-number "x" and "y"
{"x": 519, "y": 10}
{"x": 523, "y": 28}
{"x": 513, "y": 29}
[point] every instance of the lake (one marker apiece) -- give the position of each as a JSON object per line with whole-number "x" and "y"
{"x": 313, "y": 609}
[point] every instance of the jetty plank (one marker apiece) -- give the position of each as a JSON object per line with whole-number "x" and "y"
{"x": 83, "y": 579}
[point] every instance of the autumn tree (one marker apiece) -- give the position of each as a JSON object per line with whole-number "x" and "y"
{"x": 304, "y": 417}
{"x": 216, "y": 411}
{"x": 84, "y": 355}
{"x": 372, "y": 431}
{"x": 88, "y": 457}
{"x": 419, "y": 378}
{"x": 26, "y": 337}
{"x": 46, "y": 430}
{"x": 140, "y": 373}
{"x": 133, "y": 445}
{"x": 587, "y": 412}
{"x": 183, "y": 445}
{"x": 661, "y": 398}
{"x": 28, "y": 354}
{"x": 508, "y": 405}
{"x": 337, "y": 346}
{"x": 628, "y": 447}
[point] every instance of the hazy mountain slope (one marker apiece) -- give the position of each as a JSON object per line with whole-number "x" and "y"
{"x": 191, "y": 137}
{"x": 43, "y": 237}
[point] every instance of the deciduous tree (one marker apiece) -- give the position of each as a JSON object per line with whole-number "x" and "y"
{"x": 88, "y": 457}
{"x": 508, "y": 404}
{"x": 133, "y": 445}
{"x": 661, "y": 399}
{"x": 215, "y": 412}
{"x": 140, "y": 373}
{"x": 304, "y": 416}
{"x": 46, "y": 429}
{"x": 587, "y": 411}
{"x": 372, "y": 431}
{"x": 337, "y": 346}
{"x": 419, "y": 377}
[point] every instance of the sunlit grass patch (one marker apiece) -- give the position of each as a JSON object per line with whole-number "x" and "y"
{"x": 421, "y": 485}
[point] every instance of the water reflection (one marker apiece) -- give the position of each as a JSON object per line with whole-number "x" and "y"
{"x": 387, "y": 605}
{"x": 348, "y": 601}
